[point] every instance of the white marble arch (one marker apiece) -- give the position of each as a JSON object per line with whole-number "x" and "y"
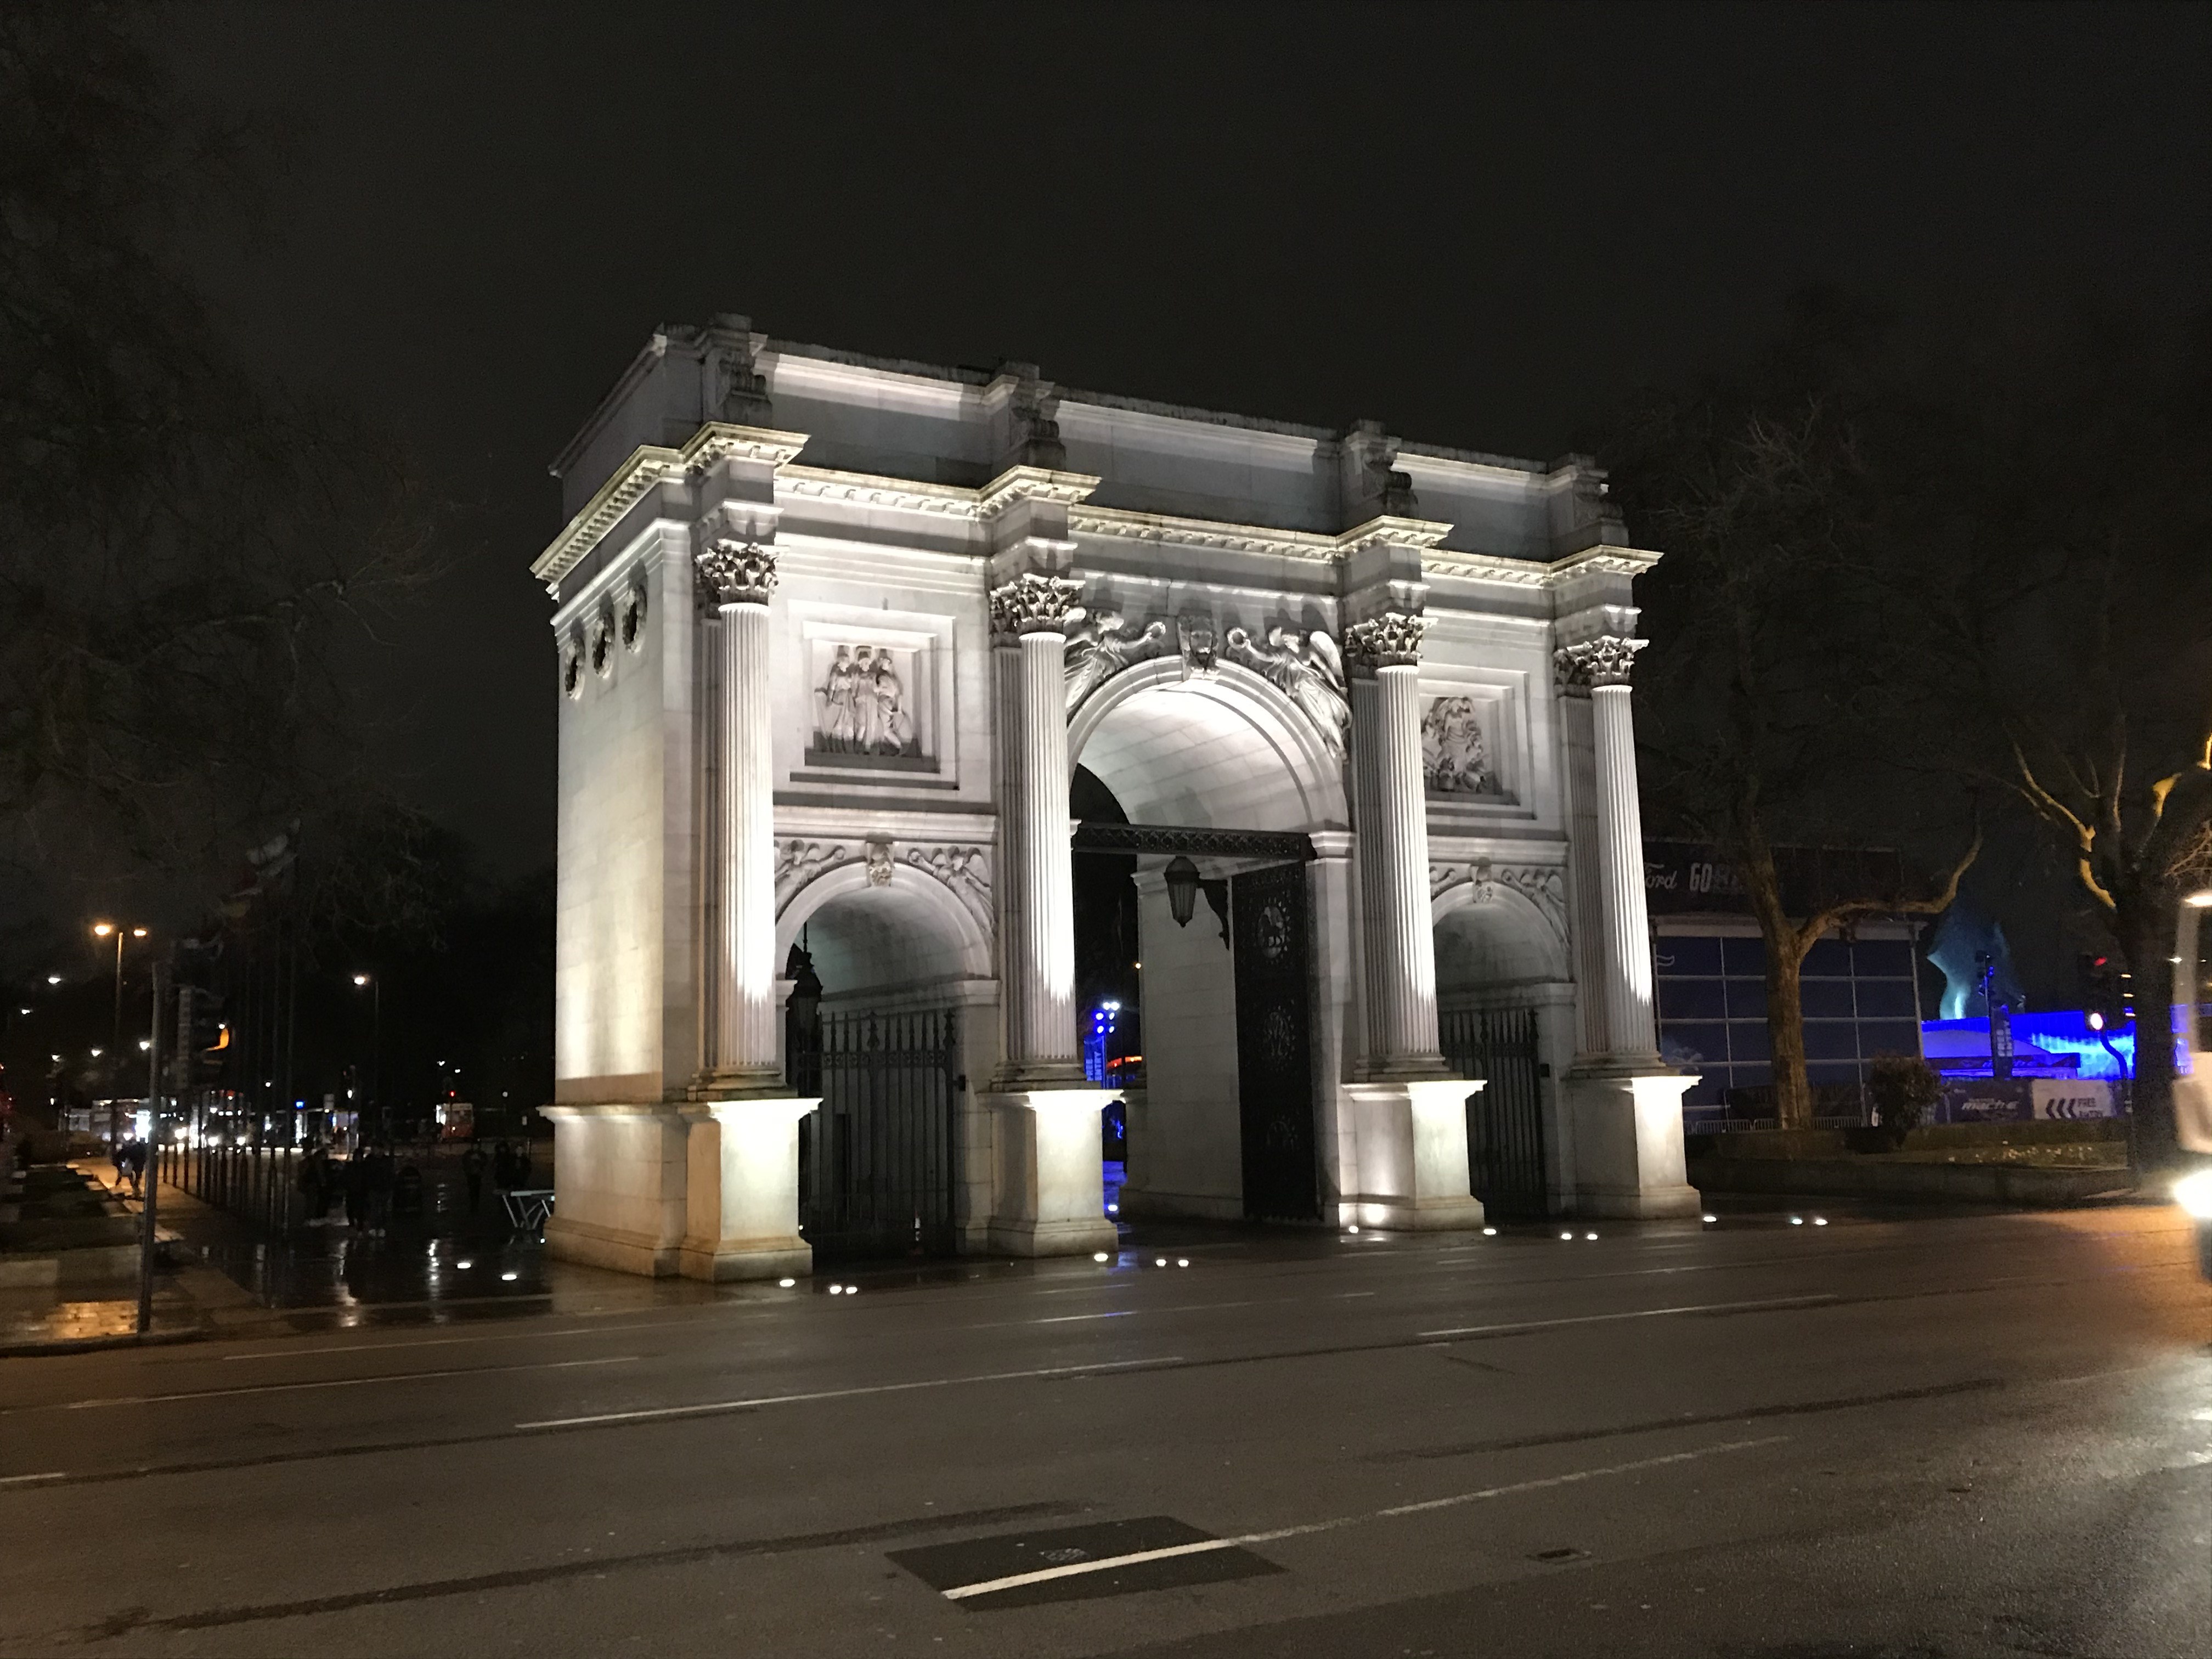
{"x": 1224, "y": 750}
{"x": 747, "y": 491}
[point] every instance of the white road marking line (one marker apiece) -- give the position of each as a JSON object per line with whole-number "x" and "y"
{"x": 454, "y": 1342}
{"x": 710, "y": 1407}
{"x": 1778, "y": 1302}
{"x": 25, "y": 1479}
{"x": 1045, "y": 1575}
{"x": 333, "y": 1382}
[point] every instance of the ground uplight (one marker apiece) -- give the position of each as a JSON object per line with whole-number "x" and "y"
{"x": 786, "y": 1284}
{"x": 1099, "y": 1255}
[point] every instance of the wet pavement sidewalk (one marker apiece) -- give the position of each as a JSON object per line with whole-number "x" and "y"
{"x": 221, "y": 1276}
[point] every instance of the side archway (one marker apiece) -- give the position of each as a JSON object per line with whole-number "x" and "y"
{"x": 1224, "y": 750}
{"x": 909, "y": 932}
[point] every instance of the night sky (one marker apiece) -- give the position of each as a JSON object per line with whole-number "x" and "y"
{"x": 1481, "y": 225}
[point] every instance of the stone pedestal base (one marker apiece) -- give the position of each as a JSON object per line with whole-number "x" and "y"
{"x": 741, "y": 1213}
{"x": 1410, "y": 1137}
{"x": 1628, "y": 1144}
{"x": 1051, "y": 1198}
{"x": 618, "y": 1182}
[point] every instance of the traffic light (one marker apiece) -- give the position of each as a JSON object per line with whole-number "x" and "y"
{"x": 203, "y": 1038}
{"x": 2107, "y": 991}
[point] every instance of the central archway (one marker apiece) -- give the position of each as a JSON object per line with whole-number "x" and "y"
{"x": 1240, "y": 1038}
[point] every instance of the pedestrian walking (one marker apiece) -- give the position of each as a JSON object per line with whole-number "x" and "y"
{"x": 502, "y": 1167}
{"x": 314, "y": 1183}
{"x": 472, "y": 1171}
{"x": 377, "y": 1178}
{"x": 356, "y": 1189}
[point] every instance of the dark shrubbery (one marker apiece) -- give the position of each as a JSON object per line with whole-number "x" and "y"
{"x": 1902, "y": 1088}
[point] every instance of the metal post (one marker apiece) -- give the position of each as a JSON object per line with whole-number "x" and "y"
{"x": 152, "y": 1183}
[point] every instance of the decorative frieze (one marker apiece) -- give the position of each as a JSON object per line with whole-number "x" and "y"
{"x": 963, "y": 869}
{"x": 1195, "y": 638}
{"x": 1607, "y": 659}
{"x": 878, "y": 856}
{"x": 1031, "y": 604}
{"x": 732, "y": 572}
{"x": 1306, "y": 668}
{"x": 1098, "y": 649}
{"x": 1456, "y": 757}
{"x": 863, "y": 704}
{"x": 797, "y": 862}
{"x": 1392, "y": 639}
{"x": 1543, "y": 885}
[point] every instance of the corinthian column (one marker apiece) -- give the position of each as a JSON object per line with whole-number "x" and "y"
{"x": 736, "y": 577}
{"x": 1600, "y": 668}
{"x": 1038, "y": 918}
{"x": 1400, "y": 957}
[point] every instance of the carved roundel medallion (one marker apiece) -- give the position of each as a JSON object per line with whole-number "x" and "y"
{"x": 633, "y": 620}
{"x": 572, "y": 669}
{"x": 602, "y": 645}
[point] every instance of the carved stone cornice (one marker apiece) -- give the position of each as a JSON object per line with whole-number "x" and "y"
{"x": 864, "y": 490}
{"x": 1032, "y": 483}
{"x": 649, "y": 466}
{"x": 731, "y": 573}
{"x": 1031, "y": 604}
{"x": 1607, "y": 659}
{"x": 1165, "y": 530}
{"x": 1392, "y": 639}
{"x": 1391, "y": 531}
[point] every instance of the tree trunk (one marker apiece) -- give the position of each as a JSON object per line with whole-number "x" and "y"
{"x": 1785, "y": 1008}
{"x": 2147, "y": 921}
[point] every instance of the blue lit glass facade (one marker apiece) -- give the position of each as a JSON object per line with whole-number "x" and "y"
{"x": 1857, "y": 998}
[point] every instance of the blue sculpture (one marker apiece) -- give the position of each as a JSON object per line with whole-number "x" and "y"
{"x": 1968, "y": 946}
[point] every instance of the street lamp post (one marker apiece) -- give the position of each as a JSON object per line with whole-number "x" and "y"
{"x": 375, "y": 985}
{"x": 102, "y": 930}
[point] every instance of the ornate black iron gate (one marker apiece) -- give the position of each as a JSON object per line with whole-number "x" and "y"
{"x": 1505, "y": 1121}
{"x": 1274, "y": 1045}
{"x": 876, "y": 1159}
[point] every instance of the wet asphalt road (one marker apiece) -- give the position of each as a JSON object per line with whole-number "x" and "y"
{"x": 1955, "y": 1436}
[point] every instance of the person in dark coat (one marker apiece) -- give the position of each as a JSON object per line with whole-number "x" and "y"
{"x": 314, "y": 1182}
{"x": 378, "y": 1178}
{"x": 502, "y": 1167}
{"x": 472, "y": 1171}
{"x": 356, "y": 1189}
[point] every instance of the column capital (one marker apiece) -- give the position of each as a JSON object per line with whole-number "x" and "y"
{"x": 1607, "y": 659}
{"x": 733, "y": 573}
{"x": 1392, "y": 639}
{"x": 1031, "y": 604}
